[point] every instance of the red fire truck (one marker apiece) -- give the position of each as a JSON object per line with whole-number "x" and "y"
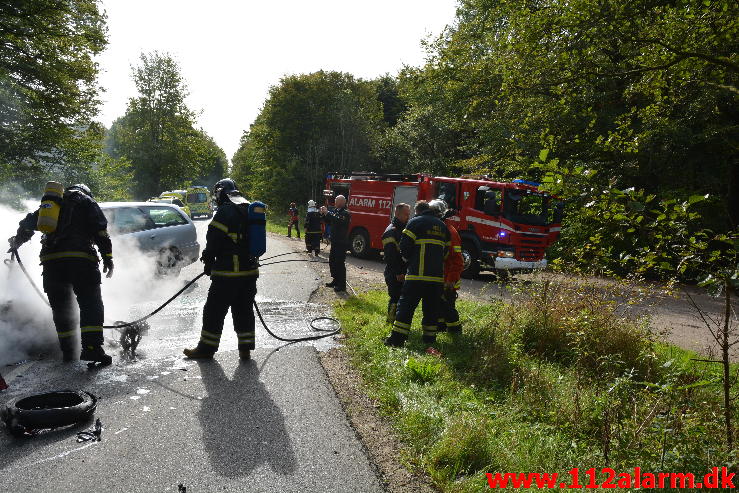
{"x": 504, "y": 226}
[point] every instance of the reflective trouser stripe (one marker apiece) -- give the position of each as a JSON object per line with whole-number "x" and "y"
{"x": 210, "y": 338}
{"x": 429, "y": 330}
{"x": 401, "y": 328}
{"x": 454, "y": 324}
{"x": 58, "y": 255}
{"x": 91, "y": 328}
{"x": 245, "y": 337}
{"x": 63, "y": 335}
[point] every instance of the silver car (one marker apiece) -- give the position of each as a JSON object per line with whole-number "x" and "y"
{"x": 161, "y": 229}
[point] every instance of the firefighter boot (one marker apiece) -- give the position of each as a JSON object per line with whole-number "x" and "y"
{"x": 395, "y": 340}
{"x": 244, "y": 354}
{"x": 199, "y": 352}
{"x": 95, "y": 354}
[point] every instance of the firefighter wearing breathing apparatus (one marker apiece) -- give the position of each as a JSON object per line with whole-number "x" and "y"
{"x": 235, "y": 239}
{"x": 394, "y": 264}
{"x": 72, "y": 223}
{"x": 423, "y": 245}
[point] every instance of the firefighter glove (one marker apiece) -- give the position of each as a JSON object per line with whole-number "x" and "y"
{"x": 108, "y": 266}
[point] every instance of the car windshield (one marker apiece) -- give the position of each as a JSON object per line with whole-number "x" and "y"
{"x": 525, "y": 207}
{"x": 197, "y": 198}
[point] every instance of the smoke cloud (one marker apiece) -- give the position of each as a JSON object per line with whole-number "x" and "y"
{"x": 26, "y": 325}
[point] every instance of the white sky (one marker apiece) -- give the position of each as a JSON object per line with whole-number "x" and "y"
{"x": 231, "y": 52}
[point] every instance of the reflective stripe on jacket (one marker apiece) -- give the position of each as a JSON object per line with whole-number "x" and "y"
{"x": 394, "y": 263}
{"x": 424, "y": 245}
{"x": 226, "y": 249}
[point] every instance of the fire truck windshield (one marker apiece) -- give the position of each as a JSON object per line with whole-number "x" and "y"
{"x": 525, "y": 207}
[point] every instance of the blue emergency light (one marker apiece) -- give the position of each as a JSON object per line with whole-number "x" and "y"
{"x": 526, "y": 182}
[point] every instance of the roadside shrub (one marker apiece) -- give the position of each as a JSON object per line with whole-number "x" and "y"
{"x": 580, "y": 325}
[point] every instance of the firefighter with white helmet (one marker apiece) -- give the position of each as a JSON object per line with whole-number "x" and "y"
{"x": 313, "y": 230}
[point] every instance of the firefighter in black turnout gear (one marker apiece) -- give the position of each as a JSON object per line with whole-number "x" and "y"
{"x": 70, "y": 266}
{"x": 395, "y": 266}
{"x": 424, "y": 245}
{"x": 338, "y": 220}
{"x": 233, "y": 272}
{"x": 313, "y": 229}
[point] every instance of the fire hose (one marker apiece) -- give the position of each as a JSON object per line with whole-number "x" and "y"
{"x": 136, "y": 325}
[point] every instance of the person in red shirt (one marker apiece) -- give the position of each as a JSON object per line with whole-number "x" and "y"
{"x": 293, "y": 220}
{"x": 453, "y": 267}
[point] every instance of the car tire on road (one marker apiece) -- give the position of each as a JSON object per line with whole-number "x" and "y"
{"x": 48, "y": 410}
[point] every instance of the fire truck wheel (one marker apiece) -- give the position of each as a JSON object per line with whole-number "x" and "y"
{"x": 471, "y": 262}
{"x": 359, "y": 243}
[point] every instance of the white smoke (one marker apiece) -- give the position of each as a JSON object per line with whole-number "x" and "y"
{"x": 26, "y": 325}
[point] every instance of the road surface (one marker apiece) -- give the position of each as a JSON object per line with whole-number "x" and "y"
{"x": 271, "y": 424}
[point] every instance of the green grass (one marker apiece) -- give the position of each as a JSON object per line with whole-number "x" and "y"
{"x": 277, "y": 225}
{"x": 501, "y": 400}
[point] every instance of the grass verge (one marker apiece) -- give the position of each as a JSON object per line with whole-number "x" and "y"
{"x": 555, "y": 379}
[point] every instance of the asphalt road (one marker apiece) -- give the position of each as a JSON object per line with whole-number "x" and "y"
{"x": 271, "y": 424}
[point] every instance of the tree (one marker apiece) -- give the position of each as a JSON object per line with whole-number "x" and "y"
{"x": 157, "y": 133}
{"x": 310, "y": 124}
{"x": 48, "y": 87}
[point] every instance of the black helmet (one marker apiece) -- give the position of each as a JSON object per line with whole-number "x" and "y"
{"x": 223, "y": 188}
{"x": 82, "y": 188}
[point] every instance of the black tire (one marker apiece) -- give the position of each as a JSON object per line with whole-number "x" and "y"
{"x": 48, "y": 410}
{"x": 359, "y": 243}
{"x": 471, "y": 260}
{"x": 169, "y": 262}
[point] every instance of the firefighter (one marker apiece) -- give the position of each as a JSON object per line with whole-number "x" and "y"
{"x": 394, "y": 264}
{"x": 70, "y": 265}
{"x": 423, "y": 245}
{"x": 293, "y": 220}
{"x": 233, "y": 272}
{"x": 338, "y": 220}
{"x": 453, "y": 267}
{"x": 313, "y": 229}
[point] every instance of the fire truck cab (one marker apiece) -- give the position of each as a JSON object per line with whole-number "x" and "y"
{"x": 504, "y": 226}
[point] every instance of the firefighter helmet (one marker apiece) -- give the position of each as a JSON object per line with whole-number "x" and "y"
{"x": 223, "y": 188}
{"x": 439, "y": 207}
{"x": 311, "y": 203}
{"x": 82, "y": 188}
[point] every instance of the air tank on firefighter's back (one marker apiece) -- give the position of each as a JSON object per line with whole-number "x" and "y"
{"x": 48, "y": 215}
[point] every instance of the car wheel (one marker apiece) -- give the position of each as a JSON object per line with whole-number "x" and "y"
{"x": 471, "y": 261}
{"x": 48, "y": 410}
{"x": 169, "y": 262}
{"x": 359, "y": 243}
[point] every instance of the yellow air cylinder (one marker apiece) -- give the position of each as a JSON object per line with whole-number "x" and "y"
{"x": 48, "y": 214}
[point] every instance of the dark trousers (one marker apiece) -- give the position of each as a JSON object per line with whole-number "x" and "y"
{"x": 290, "y": 228}
{"x": 411, "y": 294}
{"x": 65, "y": 279}
{"x": 238, "y": 295}
{"x": 313, "y": 242}
{"x": 337, "y": 263}
{"x": 448, "y": 314}
{"x": 394, "y": 288}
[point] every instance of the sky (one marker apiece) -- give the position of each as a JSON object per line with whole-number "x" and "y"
{"x": 231, "y": 52}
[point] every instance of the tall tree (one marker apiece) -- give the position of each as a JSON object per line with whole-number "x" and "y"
{"x": 309, "y": 125}
{"x": 158, "y": 135}
{"x": 48, "y": 89}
